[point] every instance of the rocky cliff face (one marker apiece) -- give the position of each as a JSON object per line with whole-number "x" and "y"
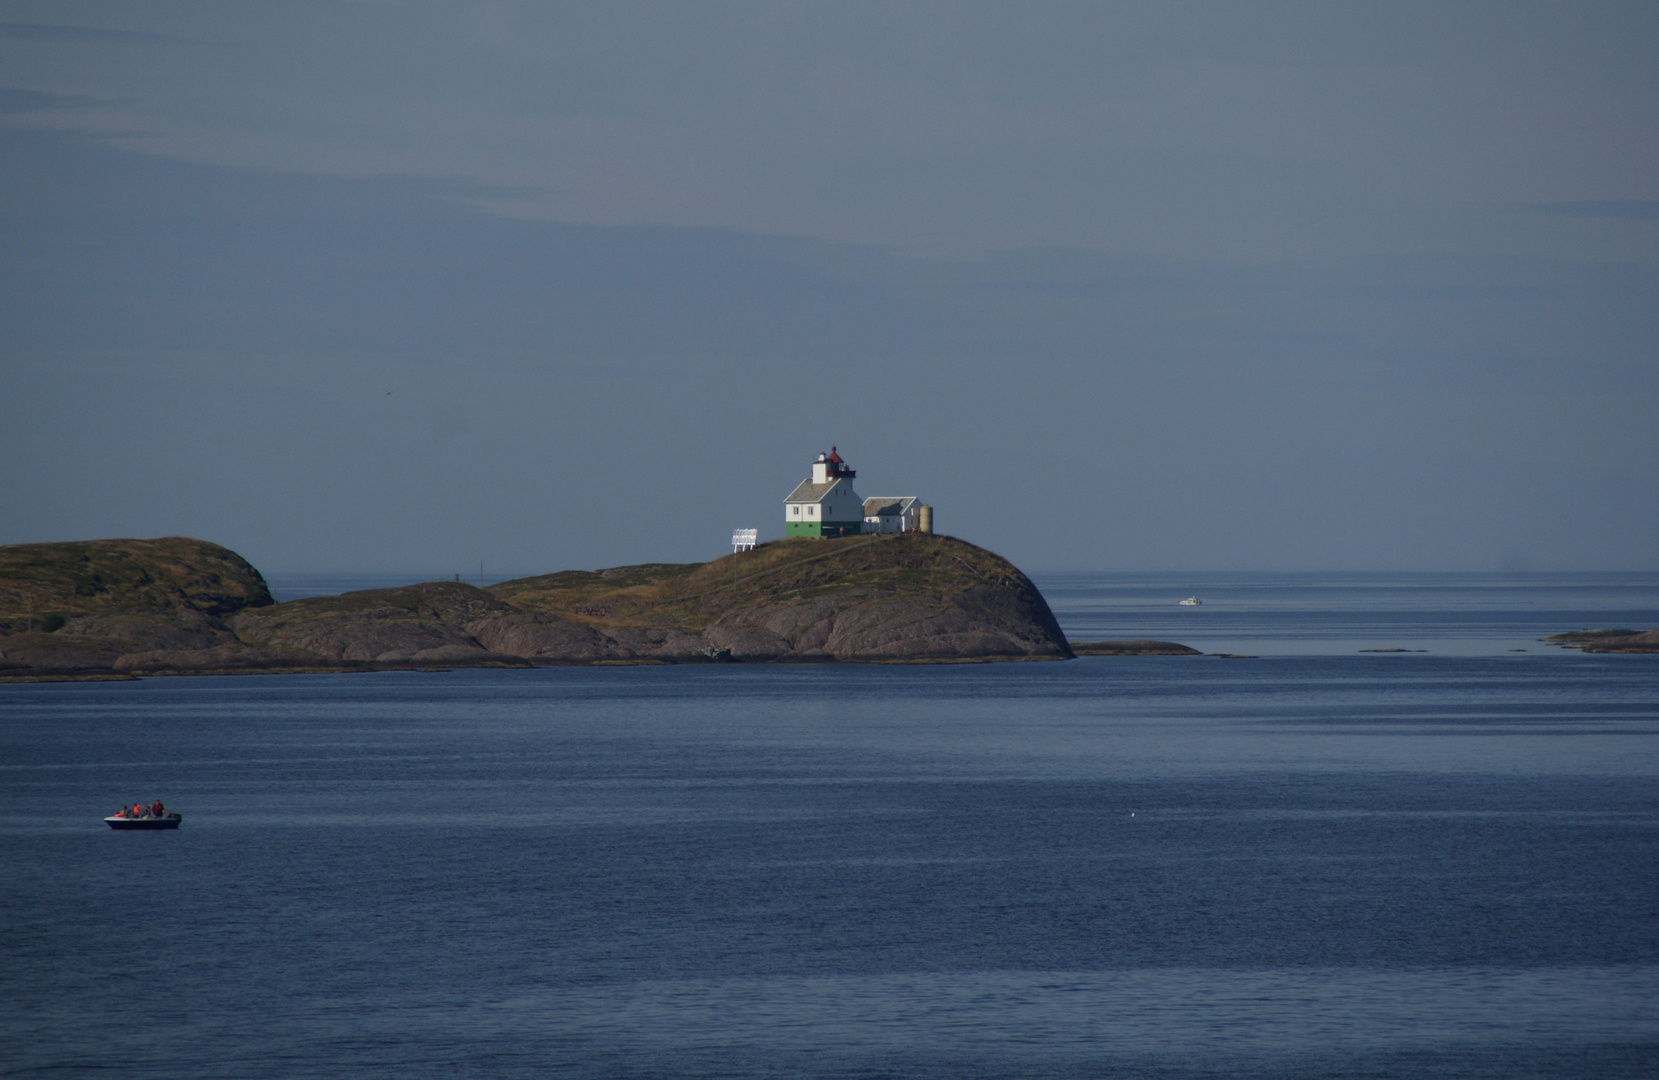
{"x": 905, "y": 598}
{"x": 416, "y": 623}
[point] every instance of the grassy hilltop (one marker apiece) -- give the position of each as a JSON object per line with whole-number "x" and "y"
{"x": 48, "y": 584}
{"x": 849, "y": 571}
{"x": 81, "y": 606}
{"x": 895, "y": 597}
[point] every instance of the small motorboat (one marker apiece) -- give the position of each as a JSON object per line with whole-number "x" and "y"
{"x": 141, "y": 817}
{"x": 1192, "y": 601}
{"x": 165, "y": 821}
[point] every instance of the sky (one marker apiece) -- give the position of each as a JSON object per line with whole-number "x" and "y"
{"x": 403, "y": 287}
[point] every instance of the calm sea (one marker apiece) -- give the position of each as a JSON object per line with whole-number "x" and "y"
{"x": 1317, "y": 863}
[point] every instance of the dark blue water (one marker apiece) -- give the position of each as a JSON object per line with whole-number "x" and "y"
{"x": 1314, "y": 614}
{"x": 1321, "y": 865}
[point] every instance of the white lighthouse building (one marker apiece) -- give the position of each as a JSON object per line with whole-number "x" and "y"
{"x": 825, "y": 503}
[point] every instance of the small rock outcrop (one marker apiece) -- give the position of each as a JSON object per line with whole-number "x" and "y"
{"x": 1137, "y": 647}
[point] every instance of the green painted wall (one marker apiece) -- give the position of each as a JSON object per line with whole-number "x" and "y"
{"x": 823, "y": 528}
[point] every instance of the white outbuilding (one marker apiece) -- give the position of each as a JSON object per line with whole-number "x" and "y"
{"x": 892, "y": 514}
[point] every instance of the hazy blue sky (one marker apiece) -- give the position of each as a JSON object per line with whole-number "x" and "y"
{"x": 382, "y": 286}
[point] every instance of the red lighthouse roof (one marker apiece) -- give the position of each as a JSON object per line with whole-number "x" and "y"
{"x": 833, "y": 467}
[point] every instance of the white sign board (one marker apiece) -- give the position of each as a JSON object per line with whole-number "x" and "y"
{"x": 744, "y": 539}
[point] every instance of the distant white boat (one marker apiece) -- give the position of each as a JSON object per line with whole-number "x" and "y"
{"x": 1192, "y": 601}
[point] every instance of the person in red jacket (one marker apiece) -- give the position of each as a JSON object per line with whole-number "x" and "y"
{"x": 158, "y": 810}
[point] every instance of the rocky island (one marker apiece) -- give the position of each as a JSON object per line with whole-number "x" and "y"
{"x": 1134, "y": 647}
{"x": 122, "y": 608}
{"x": 1608, "y": 641}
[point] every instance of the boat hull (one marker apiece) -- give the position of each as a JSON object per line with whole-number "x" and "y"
{"x": 171, "y": 821}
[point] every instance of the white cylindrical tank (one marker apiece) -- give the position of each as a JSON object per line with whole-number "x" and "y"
{"x": 924, "y": 522}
